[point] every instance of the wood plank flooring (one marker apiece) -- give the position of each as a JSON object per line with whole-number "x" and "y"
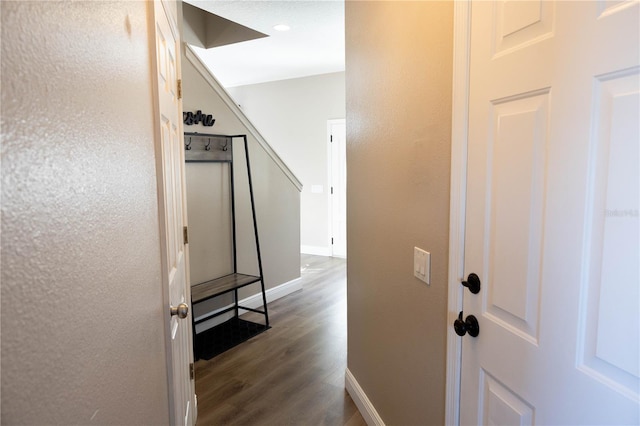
{"x": 292, "y": 374}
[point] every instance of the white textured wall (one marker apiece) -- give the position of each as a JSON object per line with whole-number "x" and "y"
{"x": 82, "y": 309}
{"x": 292, "y": 115}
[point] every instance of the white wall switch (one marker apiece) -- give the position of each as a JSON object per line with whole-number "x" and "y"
{"x": 422, "y": 265}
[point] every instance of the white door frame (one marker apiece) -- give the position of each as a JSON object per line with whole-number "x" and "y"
{"x": 457, "y": 206}
{"x": 330, "y": 166}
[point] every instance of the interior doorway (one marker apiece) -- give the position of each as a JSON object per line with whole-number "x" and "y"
{"x": 336, "y": 134}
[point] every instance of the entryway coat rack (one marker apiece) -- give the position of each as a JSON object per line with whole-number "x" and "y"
{"x": 201, "y": 147}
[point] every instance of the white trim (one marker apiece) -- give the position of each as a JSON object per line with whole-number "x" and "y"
{"x": 459, "y": 140}
{"x": 254, "y": 302}
{"x": 366, "y": 408}
{"x": 330, "y": 166}
{"x": 329, "y": 185}
{"x": 193, "y": 58}
{"x": 275, "y": 293}
{"x": 316, "y": 250}
{"x": 195, "y": 409}
{"x": 212, "y": 322}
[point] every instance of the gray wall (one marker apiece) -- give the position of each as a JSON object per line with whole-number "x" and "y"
{"x": 83, "y": 338}
{"x": 292, "y": 115}
{"x": 398, "y": 79}
{"x": 276, "y": 197}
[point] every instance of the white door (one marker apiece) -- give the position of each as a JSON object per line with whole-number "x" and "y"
{"x": 171, "y": 183}
{"x": 338, "y": 194}
{"x": 552, "y": 214}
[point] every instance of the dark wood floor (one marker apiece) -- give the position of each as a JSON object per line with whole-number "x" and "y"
{"x": 292, "y": 374}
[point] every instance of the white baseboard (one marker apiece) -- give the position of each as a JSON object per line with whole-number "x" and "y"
{"x": 365, "y": 406}
{"x": 195, "y": 409}
{"x": 316, "y": 250}
{"x": 212, "y": 322}
{"x": 272, "y": 294}
{"x": 254, "y": 302}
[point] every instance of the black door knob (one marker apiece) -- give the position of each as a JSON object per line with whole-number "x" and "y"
{"x": 459, "y": 326}
{"x": 472, "y": 283}
{"x": 469, "y": 325}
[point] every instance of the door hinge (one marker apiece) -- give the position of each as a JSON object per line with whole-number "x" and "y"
{"x": 192, "y": 371}
{"x": 179, "y": 89}
{"x": 185, "y": 235}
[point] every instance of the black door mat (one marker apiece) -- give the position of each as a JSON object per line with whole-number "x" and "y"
{"x": 225, "y": 336}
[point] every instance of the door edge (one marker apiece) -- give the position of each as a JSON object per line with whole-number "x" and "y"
{"x": 457, "y": 206}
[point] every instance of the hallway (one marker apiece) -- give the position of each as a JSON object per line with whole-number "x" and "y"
{"x": 293, "y": 374}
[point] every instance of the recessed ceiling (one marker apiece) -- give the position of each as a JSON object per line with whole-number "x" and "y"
{"x": 313, "y": 45}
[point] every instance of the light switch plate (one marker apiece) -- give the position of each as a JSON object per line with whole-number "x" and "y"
{"x": 422, "y": 265}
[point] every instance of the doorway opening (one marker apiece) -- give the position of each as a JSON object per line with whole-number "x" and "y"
{"x": 336, "y": 134}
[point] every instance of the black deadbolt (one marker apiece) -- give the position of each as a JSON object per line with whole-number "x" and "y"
{"x": 472, "y": 283}
{"x": 469, "y": 325}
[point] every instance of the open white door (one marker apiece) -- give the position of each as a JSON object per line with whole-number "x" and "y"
{"x": 172, "y": 206}
{"x": 338, "y": 174}
{"x": 552, "y": 215}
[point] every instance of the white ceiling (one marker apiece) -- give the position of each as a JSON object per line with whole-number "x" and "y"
{"x": 314, "y": 45}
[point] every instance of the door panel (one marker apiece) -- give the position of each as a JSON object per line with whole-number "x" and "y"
{"x": 606, "y": 352}
{"x": 501, "y": 406}
{"x": 173, "y": 207}
{"x": 518, "y": 24}
{"x": 552, "y": 214}
{"x": 516, "y": 202}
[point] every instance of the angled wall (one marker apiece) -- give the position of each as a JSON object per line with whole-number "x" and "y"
{"x": 293, "y": 114}
{"x": 276, "y": 192}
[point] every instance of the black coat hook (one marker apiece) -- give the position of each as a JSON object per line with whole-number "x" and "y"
{"x": 208, "y": 147}
{"x": 188, "y": 145}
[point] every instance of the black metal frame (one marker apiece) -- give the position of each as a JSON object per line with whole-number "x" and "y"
{"x": 223, "y": 153}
